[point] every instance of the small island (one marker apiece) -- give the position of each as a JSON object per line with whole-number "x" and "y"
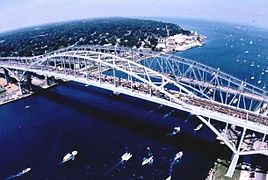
{"x": 126, "y": 32}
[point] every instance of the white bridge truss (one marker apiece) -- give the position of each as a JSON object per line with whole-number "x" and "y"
{"x": 183, "y": 84}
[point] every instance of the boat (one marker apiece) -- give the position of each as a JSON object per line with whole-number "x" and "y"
{"x": 175, "y": 131}
{"x": 252, "y": 77}
{"x": 26, "y": 107}
{"x": 149, "y": 159}
{"x": 210, "y": 91}
{"x": 24, "y": 171}
{"x": 126, "y": 157}
{"x": 235, "y": 101}
{"x": 168, "y": 178}
{"x": 198, "y": 127}
{"x": 178, "y": 156}
{"x": 69, "y": 156}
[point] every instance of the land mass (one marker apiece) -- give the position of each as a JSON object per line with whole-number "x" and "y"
{"x": 134, "y": 33}
{"x": 126, "y": 32}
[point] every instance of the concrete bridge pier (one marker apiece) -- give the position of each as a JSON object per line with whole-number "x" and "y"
{"x": 25, "y": 85}
{"x": 7, "y": 76}
{"x": 231, "y": 169}
{"x": 28, "y": 81}
{"x": 20, "y": 87}
{"x": 235, "y": 157}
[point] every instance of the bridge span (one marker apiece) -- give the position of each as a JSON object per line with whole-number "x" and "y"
{"x": 203, "y": 91}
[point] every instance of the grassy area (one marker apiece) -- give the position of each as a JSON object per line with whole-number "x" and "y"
{"x": 220, "y": 170}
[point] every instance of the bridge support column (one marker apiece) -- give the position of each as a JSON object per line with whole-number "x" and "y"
{"x": 20, "y": 87}
{"x": 7, "y": 77}
{"x": 29, "y": 84}
{"x": 235, "y": 157}
{"x": 232, "y": 166}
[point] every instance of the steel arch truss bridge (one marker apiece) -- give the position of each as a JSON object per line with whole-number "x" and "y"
{"x": 240, "y": 108}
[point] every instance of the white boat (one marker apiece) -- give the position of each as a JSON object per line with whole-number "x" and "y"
{"x": 24, "y": 171}
{"x": 148, "y": 160}
{"x": 126, "y": 157}
{"x": 198, "y": 127}
{"x": 69, "y": 156}
{"x": 175, "y": 131}
{"x": 168, "y": 178}
{"x": 178, "y": 156}
{"x": 235, "y": 101}
{"x": 26, "y": 107}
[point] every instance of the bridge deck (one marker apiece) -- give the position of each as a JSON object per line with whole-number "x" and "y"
{"x": 147, "y": 89}
{"x": 187, "y": 99}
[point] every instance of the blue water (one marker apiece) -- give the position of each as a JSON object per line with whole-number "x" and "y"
{"x": 232, "y": 48}
{"x": 101, "y": 126}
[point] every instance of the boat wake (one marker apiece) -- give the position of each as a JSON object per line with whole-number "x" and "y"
{"x": 124, "y": 158}
{"x": 19, "y": 174}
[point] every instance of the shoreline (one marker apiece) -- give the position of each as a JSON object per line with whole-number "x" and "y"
{"x": 19, "y": 97}
{"x": 16, "y": 98}
{"x": 177, "y": 42}
{"x": 242, "y": 171}
{"x": 180, "y": 42}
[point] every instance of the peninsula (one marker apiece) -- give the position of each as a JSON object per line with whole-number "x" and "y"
{"x": 126, "y": 32}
